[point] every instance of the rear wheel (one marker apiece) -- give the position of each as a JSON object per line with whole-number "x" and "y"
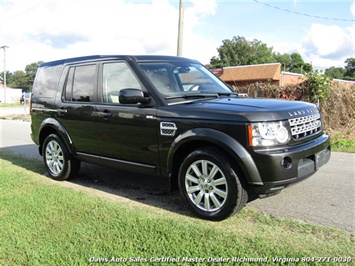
{"x": 59, "y": 163}
{"x": 210, "y": 185}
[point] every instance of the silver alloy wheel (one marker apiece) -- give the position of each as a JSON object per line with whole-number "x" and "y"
{"x": 206, "y": 185}
{"x": 54, "y": 157}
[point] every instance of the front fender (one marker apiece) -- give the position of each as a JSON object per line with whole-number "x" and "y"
{"x": 225, "y": 142}
{"x": 50, "y": 125}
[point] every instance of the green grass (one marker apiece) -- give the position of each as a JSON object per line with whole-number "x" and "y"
{"x": 11, "y": 105}
{"x": 343, "y": 145}
{"x": 45, "y": 223}
{"x": 342, "y": 140}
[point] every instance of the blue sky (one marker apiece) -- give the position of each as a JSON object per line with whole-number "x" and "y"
{"x": 322, "y": 32}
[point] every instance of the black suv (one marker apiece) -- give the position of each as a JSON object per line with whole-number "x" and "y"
{"x": 171, "y": 117}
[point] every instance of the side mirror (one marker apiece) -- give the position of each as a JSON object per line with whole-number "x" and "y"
{"x": 132, "y": 96}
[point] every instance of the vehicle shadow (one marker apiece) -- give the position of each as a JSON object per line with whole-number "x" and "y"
{"x": 148, "y": 190}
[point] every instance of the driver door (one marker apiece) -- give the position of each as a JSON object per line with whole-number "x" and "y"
{"x": 127, "y": 132}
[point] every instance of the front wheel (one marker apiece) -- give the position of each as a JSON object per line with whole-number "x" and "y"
{"x": 59, "y": 163}
{"x": 210, "y": 186}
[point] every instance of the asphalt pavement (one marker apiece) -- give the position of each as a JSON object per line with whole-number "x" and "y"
{"x": 24, "y": 110}
{"x": 326, "y": 198}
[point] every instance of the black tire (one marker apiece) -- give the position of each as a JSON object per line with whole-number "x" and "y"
{"x": 59, "y": 163}
{"x": 210, "y": 186}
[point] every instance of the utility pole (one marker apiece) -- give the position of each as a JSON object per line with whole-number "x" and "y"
{"x": 181, "y": 28}
{"x": 4, "y": 47}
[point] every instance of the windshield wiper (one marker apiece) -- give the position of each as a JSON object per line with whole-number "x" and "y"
{"x": 189, "y": 96}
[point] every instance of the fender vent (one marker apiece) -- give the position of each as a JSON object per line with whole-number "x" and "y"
{"x": 167, "y": 129}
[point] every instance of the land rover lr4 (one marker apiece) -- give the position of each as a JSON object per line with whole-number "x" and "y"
{"x": 172, "y": 118}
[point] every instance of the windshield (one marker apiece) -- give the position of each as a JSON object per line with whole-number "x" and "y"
{"x": 176, "y": 79}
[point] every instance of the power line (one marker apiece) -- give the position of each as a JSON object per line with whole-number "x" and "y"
{"x": 302, "y": 14}
{"x": 22, "y": 11}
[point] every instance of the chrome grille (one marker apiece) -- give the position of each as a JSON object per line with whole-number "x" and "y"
{"x": 305, "y": 126}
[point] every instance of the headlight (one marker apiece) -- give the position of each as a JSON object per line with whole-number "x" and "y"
{"x": 267, "y": 134}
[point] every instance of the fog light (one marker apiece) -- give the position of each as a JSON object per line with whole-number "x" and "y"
{"x": 286, "y": 162}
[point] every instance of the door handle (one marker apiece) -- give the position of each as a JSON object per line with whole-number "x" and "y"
{"x": 61, "y": 111}
{"x": 105, "y": 114}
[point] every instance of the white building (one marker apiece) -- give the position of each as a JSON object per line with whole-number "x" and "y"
{"x": 9, "y": 95}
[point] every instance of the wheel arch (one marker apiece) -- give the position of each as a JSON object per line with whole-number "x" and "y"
{"x": 205, "y": 137}
{"x": 53, "y": 126}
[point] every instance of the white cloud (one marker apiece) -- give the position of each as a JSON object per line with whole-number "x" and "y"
{"x": 352, "y": 9}
{"x": 50, "y": 30}
{"x": 286, "y": 47}
{"x": 328, "y": 41}
{"x": 329, "y": 45}
{"x": 203, "y": 8}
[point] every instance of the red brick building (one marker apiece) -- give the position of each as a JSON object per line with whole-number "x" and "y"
{"x": 244, "y": 75}
{"x": 265, "y": 73}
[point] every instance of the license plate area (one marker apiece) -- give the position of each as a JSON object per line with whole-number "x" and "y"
{"x": 321, "y": 158}
{"x": 309, "y": 165}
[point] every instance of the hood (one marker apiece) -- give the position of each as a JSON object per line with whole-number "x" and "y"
{"x": 244, "y": 109}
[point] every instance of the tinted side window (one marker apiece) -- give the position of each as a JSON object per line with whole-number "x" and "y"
{"x": 80, "y": 83}
{"x": 46, "y": 81}
{"x": 69, "y": 84}
{"x": 117, "y": 76}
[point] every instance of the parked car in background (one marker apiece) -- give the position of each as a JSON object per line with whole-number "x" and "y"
{"x": 25, "y": 96}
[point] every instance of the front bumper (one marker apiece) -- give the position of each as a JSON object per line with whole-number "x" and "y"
{"x": 283, "y": 167}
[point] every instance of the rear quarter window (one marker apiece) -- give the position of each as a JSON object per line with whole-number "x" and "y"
{"x": 80, "y": 83}
{"x": 46, "y": 82}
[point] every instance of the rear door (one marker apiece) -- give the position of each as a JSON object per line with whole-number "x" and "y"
{"x": 77, "y": 107}
{"x": 127, "y": 132}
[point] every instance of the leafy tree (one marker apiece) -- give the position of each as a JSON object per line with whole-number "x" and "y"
{"x": 335, "y": 72}
{"x": 20, "y": 79}
{"x": 8, "y": 76}
{"x": 347, "y": 73}
{"x": 240, "y": 51}
{"x": 215, "y": 62}
{"x": 307, "y": 67}
{"x": 293, "y": 63}
{"x": 17, "y": 80}
{"x": 296, "y": 63}
{"x": 261, "y": 53}
{"x": 350, "y": 68}
{"x": 285, "y": 60}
